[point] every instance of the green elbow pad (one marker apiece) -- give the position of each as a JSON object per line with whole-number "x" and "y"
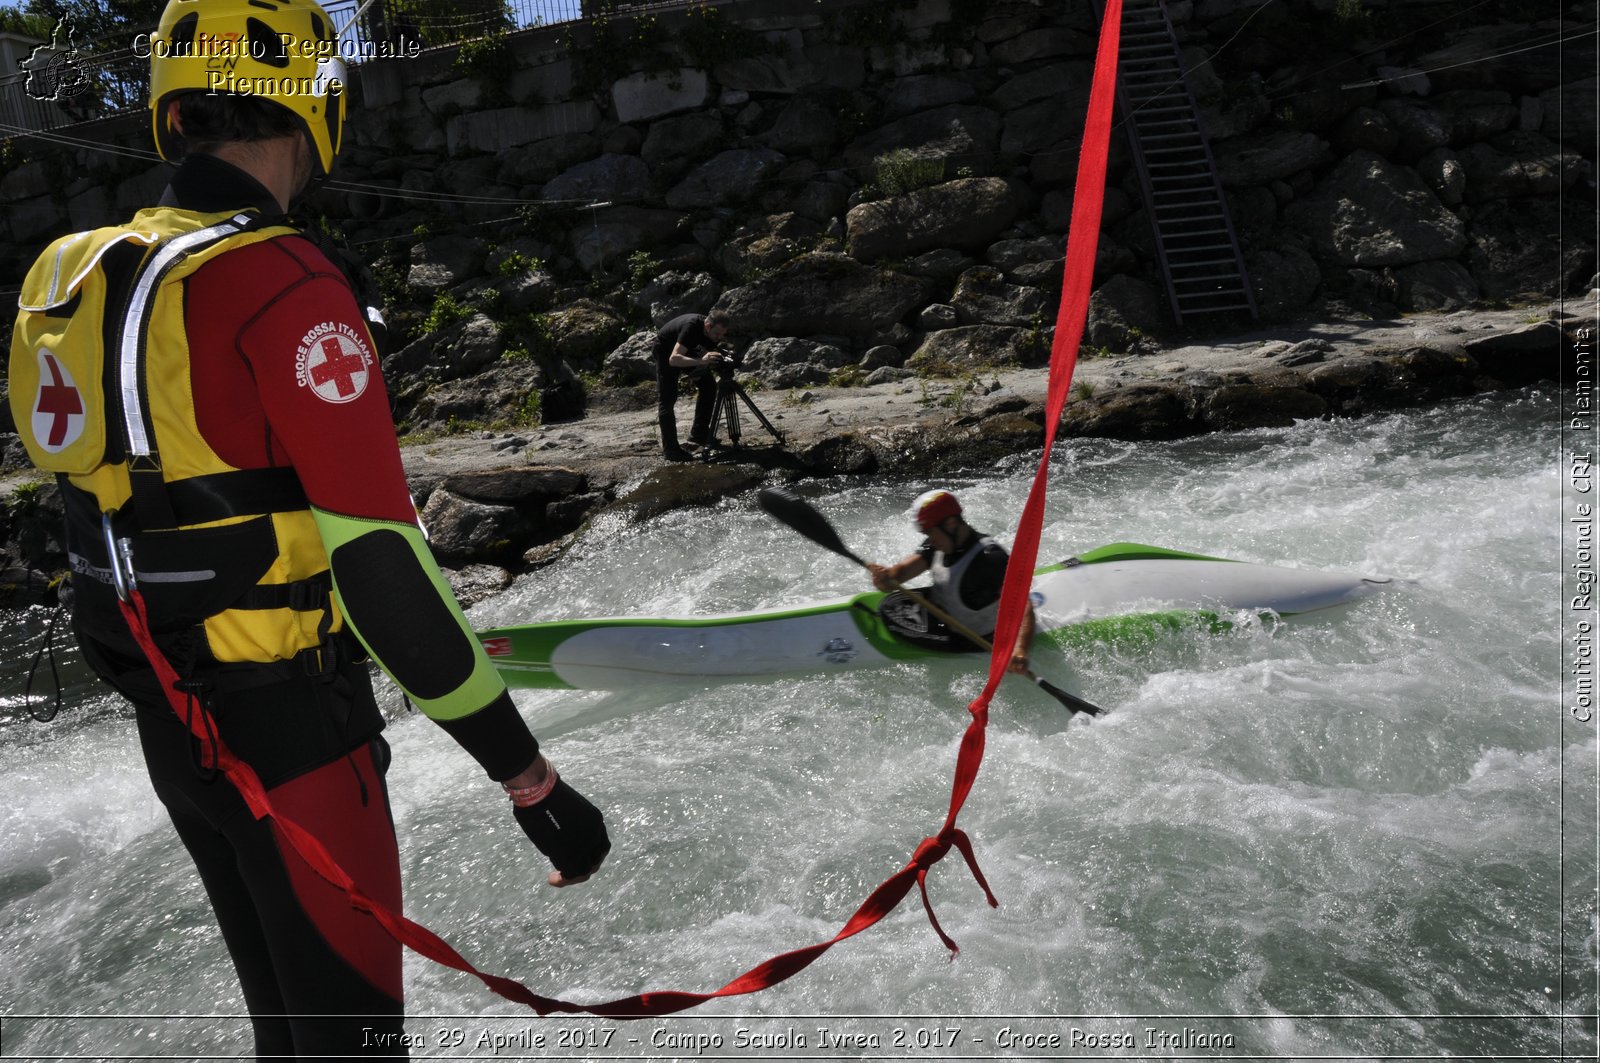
{"x": 397, "y": 602}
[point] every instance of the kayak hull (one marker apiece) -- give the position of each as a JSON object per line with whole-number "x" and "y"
{"x": 1114, "y": 593}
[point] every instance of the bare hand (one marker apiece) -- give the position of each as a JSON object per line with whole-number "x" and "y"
{"x": 711, "y": 357}
{"x": 880, "y": 577}
{"x": 558, "y": 880}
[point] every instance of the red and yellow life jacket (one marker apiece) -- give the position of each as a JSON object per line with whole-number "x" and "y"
{"x": 101, "y": 394}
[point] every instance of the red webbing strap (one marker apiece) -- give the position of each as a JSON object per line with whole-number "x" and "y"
{"x": 1083, "y": 239}
{"x": 883, "y": 900}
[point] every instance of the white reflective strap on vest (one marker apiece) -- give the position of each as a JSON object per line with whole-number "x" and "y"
{"x": 84, "y": 567}
{"x": 136, "y": 322}
{"x": 947, "y": 589}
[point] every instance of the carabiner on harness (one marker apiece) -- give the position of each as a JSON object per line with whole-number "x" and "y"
{"x": 119, "y": 554}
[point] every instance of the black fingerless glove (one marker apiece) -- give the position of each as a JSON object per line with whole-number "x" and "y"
{"x": 568, "y": 829}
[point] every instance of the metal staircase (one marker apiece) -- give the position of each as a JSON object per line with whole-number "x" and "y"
{"x": 1195, "y": 242}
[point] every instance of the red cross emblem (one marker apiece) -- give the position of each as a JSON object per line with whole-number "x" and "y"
{"x": 58, "y": 412}
{"x": 336, "y": 365}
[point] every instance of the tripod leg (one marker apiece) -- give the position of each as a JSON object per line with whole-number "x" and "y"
{"x": 733, "y": 419}
{"x": 759, "y": 415}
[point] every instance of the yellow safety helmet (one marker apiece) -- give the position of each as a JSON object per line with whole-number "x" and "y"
{"x": 284, "y": 51}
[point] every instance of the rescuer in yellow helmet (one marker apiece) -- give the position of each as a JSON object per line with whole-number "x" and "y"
{"x": 207, "y": 390}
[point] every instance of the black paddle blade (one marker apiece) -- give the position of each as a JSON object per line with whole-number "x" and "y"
{"x": 785, "y": 506}
{"x": 1071, "y": 701}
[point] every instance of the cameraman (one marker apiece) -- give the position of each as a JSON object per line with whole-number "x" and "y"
{"x": 687, "y": 342}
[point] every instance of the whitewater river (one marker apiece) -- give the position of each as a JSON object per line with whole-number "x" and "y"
{"x": 1369, "y": 835}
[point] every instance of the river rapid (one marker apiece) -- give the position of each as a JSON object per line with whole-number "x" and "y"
{"x": 1369, "y": 834}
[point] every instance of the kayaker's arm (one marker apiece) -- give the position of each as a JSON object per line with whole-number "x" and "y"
{"x": 1021, "y": 649}
{"x": 884, "y": 577}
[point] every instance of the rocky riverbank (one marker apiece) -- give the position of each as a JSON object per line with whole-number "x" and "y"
{"x": 497, "y": 503}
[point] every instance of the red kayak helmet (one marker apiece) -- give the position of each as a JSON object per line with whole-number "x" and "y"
{"x": 932, "y": 507}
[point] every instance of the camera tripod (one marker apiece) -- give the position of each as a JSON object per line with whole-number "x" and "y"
{"x": 726, "y": 412}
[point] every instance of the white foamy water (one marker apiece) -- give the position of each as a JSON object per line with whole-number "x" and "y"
{"x": 1365, "y": 835}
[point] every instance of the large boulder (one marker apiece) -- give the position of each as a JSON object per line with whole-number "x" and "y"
{"x": 784, "y": 362}
{"x": 1036, "y": 129}
{"x": 966, "y": 215}
{"x": 585, "y": 332}
{"x": 1041, "y": 83}
{"x": 962, "y": 131}
{"x": 1122, "y": 311}
{"x": 643, "y": 96}
{"x": 461, "y": 530}
{"x": 1515, "y": 166}
{"x": 1442, "y": 286}
{"x": 632, "y": 361}
{"x": 521, "y": 485}
{"x": 676, "y": 292}
{"x": 824, "y": 295}
{"x": 444, "y": 262}
{"x": 1515, "y": 250}
{"x": 767, "y": 243}
{"x": 1521, "y": 356}
{"x": 457, "y": 350}
{"x": 1284, "y": 279}
{"x": 1419, "y": 128}
{"x": 1477, "y": 114}
{"x": 729, "y": 177}
{"x": 489, "y": 395}
{"x": 609, "y": 177}
{"x": 1048, "y": 43}
{"x": 689, "y": 136}
{"x": 1140, "y": 411}
{"x": 821, "y": 63}
{"x": 803, "y": 128}
{"x": 922, "y": 92}
{"x": 536, "y": 163}
{"x": 1261, "y": 158}
{"x": 1236, "y": 407}
{"x": 605, "y": 238}
{"x": 982, "y": 297}
{"x": 1571, "y": 111}
{"x": 1372, "y": 212}
{"x": 970, "y": 346}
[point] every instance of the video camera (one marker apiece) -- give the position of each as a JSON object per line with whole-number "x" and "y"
{"x": 730, "y": 362}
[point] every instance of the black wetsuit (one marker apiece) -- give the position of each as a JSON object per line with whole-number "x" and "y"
{"x": 688, "y": 330}
{"x": 320, "y": 977}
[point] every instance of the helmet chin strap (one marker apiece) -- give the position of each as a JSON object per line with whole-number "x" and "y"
{"x": 317, "y": 176}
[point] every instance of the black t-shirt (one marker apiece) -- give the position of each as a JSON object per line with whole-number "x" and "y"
{"x": 981, "y": 585}
{"x": 687, "y": 329}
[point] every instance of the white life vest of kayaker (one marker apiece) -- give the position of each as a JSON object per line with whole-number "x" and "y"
{"x": 947, "y": 588}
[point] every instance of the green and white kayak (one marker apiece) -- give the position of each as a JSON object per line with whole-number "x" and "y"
{"x": 1117, "y": 593}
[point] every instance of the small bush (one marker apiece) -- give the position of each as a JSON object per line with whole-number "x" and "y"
{"x": 444, "y": 312}
{"x": 900, "y": 171}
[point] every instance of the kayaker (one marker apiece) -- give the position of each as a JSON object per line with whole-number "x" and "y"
{"x": 688, "y": 342}
{"x": 206, "y": 388}
{"x": 968, "y": 571}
